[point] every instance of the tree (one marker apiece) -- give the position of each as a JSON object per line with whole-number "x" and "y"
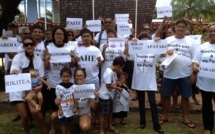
{"x": 193, "y": 9}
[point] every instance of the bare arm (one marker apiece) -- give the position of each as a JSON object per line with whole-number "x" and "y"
{"x": 160, "y": 28}
{"x": 47, "y": 59}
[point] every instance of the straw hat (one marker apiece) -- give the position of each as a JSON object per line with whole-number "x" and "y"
{"x": 70, "y": 30}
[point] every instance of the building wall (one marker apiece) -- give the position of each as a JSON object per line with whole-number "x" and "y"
{"x": 107, "y": 8}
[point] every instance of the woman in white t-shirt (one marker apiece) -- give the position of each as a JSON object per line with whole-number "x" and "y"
{"x": 203, "y": 64}
{"x": 145, "y": 70}
{"x": 109, "y": 53}
{"x": 20, "y": 62}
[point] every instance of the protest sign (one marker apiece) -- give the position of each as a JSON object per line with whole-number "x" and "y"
{"x": 157, "y": 47}
{"x": 207, "y": 69}
{"x": 139, "y": 47}
{"x": 88, "y": 58}
{"x": 117, "y": 43}
{"x": 164, "y": 11}
{"x": 125, "y": 98}
{"x": 19, "y": 82}
{"x": 169, "y": 59}
{"x": 84, "y": 91}
{"x": 8, "y": 45}
{"x": 197, "y": 39}
{"x": 94, "y": 25}
{"x": 61, "y": 55}
{"x": 8, "y": 33}
{"x": 75, "y": 23}
{"x": 124, "y": 29}
{"x": 122, "y": 18}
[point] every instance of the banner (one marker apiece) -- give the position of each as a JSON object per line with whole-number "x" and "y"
{"x": 139, "y": 47}
{"x": 164, "y": 11}
{"x": 124, "y": 29}
{"x": 75, "y": 23}
{"x": 122, "y": 18}
{"x": 169, "y": 59}
{"x": 94, "y": 25}
{"x": 159, "y": 47}
{"x": 18, "y": 82}
{"x": 207, "y": 69}
{"x": 84, "y": 91}
{"x": 8, "y": 45}
{"x": 125, "y": 98}
{"x": 117, "y": 43}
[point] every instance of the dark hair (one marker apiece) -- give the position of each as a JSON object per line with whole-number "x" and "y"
{"x": 48, "y": 30}
{"x": 86, "y": 31}
{"x": 29, "y": 37}
{"x": 112, "y": 31}
{"x": 181, "y": 21}
{"x": 143, "y": 35}
{"x": 121, "y": 73}
{"x": 80, "y": 69}
{"x": 119, "y": 61}
{"x": 65, "y": 69}
{"x": 36, "y": 27}
{"x": 64, "y": 34}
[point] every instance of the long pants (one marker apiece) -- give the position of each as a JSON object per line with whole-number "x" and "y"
{"x": 153, "y": 108}
{"x": 207, "y": 110}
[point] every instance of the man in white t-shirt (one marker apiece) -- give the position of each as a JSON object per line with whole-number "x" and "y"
{"x": 179, "y": 72}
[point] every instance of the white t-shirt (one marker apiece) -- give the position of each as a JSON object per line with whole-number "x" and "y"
{"x": 205, "y": 52}
{"x": 110, "y": 55}
{"x": 67, "y": 100}
{"x": 181, "y": 66}
{"x": 117, "y": 105}
{"x": 53, "y": 76}
{"x": 19, "y": 62}
{"x": 92, "y": 71}
{"x": 6, "y": 60}
{"x": 144, "y": 74}
{"x": 84, "y": 106}
{"x": 109, "y": 77}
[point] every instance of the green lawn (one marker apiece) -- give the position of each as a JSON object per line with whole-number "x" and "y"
{"x": 174, "y": 126}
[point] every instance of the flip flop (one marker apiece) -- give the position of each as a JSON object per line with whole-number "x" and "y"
{"x": 189, "y": 124}
{"x": 113, "y": 130}
{"x": 162, "y": 121}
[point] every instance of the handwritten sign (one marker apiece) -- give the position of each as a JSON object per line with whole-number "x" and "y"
{"x": 207, "y": 70}
{"x": 159, "y": 47}
{"x": 169, "y": 59}
{"x": 164, "y": 11}
{"x": 61, "y": 55}
{"x": 75, "y": 23}
{"x": 139, "y": 47}
{"x": 8, "y": 45}
{"x": 124, "y": 29}
{"x": 84, "y": 91}
{"x": 17, "y": 83}
{"x": 88, "y": 58}
{"x": 122, "y": 18}
{"x": 125, "y": 98}
{"x": 197, "y": 39}
{"x": 94, "y": 25}
{"x": 117, "y": 43}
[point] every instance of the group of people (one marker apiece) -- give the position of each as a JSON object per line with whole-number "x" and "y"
{"x": 54, "y": 79}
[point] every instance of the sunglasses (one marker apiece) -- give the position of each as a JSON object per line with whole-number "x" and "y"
{"x": 27, "y": 44}
{"x": 146, "y": 29}
{"x": 26, "y": 33}
{"x": 107, "y": 22}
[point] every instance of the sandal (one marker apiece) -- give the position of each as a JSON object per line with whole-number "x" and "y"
{"x": 113, "y": 130}
{"x": 162, "y": 121}
{"x": 189, "y": 124}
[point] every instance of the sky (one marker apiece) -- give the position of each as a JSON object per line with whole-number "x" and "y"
{"x": 163, "y": 3}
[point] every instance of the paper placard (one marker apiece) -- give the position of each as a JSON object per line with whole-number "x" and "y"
{"x": 207, "y": 70}
{"x": 164, "y": 11}
{"x": 89, "y": 58}
{"x": 124, "y": 29}
{"x": 157, "y": 47}
{"x": 8, "y": 33}
{"x": 94, "y": 25}
{"x": 84, "y": 91}
{"x": 169, "y": 59}
{"x": 62, "y": 55}
{"x": 117, "y": 43}
{"x": 121, "y": 18}
{"x": 17, "y": 83}
{"x": 8, "y": 45}
{"x": 125, "y": 98}
{"x": 75, "y": 23}
{"x": 197, "y": 39}
{"x": 139, "y": 47}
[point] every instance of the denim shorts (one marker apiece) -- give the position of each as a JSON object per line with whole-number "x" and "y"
{"x": 184, "y": 86}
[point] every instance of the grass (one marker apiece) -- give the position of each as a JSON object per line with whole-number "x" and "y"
{"x": 174, "y": 126}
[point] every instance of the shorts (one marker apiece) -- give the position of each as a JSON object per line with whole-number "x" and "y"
{"x": 105, "y": 107}
{"x": 16, "y": 102}
{"x": 49, "y": 97}
{"x": 65, "y": 120}
{"x": 184, "y": 87}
